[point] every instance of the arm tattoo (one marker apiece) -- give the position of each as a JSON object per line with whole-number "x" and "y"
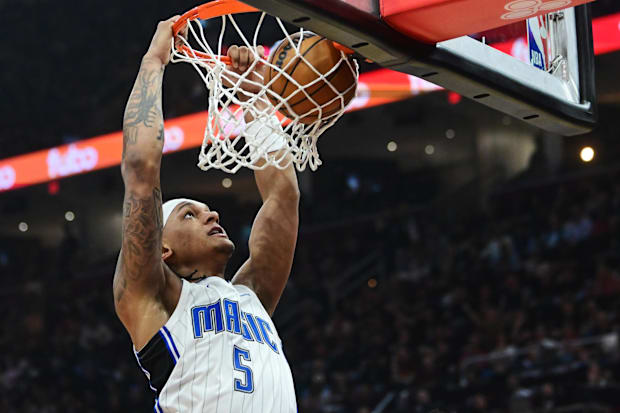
{"x": 142, "y": 231}
{"x": 130, "y": 137}
{"x": 144, "y": 106}
{"x": 142, "y": 214}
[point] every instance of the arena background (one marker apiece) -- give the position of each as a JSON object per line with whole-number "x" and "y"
{"x": 449, "y": 256}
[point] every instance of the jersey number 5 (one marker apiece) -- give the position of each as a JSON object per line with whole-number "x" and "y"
{"x": 246, "y": 384}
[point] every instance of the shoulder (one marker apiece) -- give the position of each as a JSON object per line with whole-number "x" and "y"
{"x": 243, "y": 289}
{"x": 249, "y": 294}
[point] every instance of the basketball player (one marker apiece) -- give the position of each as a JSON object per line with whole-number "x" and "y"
{"x": 205, "y": 344}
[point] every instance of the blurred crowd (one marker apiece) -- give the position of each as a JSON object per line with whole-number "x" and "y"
{"x": 511, "y": 310}
{"x": 515, "y": 310}
{"x": 391, "y": 310}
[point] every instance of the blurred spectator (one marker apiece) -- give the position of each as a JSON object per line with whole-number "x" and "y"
{"x": 514, "y": 311}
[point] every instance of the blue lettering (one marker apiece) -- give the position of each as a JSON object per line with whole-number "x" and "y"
{"x": 203, "y": 318}
{"x": 244, "y": 328}
{"x": 231, "y": 312}
{"x": 263, "y": 324}
{"x": 254, "y": 327}
{"x": 225, "y": 315}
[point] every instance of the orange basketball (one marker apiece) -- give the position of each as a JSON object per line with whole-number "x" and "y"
{"x": 323, "y": 56}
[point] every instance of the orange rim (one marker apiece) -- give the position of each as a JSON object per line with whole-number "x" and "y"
{"x": 206, "y": 11}
{"x": 220, "y": 8}
{"x": 210, "y": 10}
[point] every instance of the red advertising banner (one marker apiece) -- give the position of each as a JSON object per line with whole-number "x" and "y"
{"x": 375, "y": 88}
{"x": 434, "y": 21}
{"x": 91, "y": 154}
{"x": 606, "y": 33}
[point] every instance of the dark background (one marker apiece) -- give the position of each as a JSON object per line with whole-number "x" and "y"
{"x": 483, "y": 277}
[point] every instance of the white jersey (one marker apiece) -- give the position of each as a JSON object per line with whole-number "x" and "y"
{"x": 219, "y": 352}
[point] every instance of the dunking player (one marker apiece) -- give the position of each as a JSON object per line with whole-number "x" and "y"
{"x": 204, "y": 344}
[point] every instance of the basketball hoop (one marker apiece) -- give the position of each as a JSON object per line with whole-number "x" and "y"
{"x": 229, "y": 143}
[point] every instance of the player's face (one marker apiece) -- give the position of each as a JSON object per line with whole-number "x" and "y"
{"x": 194, "y": 233}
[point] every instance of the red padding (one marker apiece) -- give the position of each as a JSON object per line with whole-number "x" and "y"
{"x": 433, "y": 21}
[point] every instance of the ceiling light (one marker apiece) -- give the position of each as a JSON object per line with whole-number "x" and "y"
{"x": 587, "y": 154}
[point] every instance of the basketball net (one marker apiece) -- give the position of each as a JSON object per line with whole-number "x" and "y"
{"x": 229, "y": 142}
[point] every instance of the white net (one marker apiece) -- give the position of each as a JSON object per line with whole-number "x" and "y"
{"x": 244, "y": 125}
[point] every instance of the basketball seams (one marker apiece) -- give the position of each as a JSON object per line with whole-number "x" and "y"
{"x": 322, "y": 66}
{"x": 299, "y": 60}
{"x": 329, "y": 108}
{"x": 276, "y": 54}
{"x": 273, "y": 73}
{"x": 328, "y": 79}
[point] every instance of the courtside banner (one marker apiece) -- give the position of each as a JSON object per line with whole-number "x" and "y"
{"x": 375, "y": 88}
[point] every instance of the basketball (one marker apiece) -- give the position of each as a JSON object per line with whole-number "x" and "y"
{"x": 326, "y": 60}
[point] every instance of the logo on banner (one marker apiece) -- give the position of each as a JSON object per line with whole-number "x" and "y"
{"x": 538, "y": 41}
{"x": 173, "y": 139}
{"x": 74, "y": 161}
{"x": 520, "y": 9}
{"x": 7, "y": 177}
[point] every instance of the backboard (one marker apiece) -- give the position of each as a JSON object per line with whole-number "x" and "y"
{"x": 432, "y": 39}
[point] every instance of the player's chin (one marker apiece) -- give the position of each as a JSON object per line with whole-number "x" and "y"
{"x": 224, "y": 244}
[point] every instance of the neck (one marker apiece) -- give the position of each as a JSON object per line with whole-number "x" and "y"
{"x": 199, "y": 272}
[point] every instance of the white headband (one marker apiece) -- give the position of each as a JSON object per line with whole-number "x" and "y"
{"x": 169, "y": 206}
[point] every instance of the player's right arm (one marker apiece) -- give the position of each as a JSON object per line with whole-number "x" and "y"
{"x": 140, "y": 278}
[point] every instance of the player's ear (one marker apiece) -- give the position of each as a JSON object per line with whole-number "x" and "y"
{"x": 166, "y": 251}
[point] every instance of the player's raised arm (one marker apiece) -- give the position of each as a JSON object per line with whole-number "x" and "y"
{"x": 273, "y": 236}
{"x": 139, "y": 276}
{"x": 274, "y": 232}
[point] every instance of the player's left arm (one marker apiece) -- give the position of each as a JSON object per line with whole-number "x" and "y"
{"x": 273, "y": 237}
{"x": 274, "y": 233}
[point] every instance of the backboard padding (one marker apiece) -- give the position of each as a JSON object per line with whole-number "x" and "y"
{"x": 367, "y": 34}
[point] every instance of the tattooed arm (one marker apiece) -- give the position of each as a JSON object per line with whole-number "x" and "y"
{"x": 140, "y": 278}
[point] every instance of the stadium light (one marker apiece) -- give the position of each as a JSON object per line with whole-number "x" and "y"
{"x": 392, "y": 146}
{"x": 587, "y": 154}
{"x": 69, "y": 216}
{"x": 430, "y": 149}
{"x": 23, "y": 227}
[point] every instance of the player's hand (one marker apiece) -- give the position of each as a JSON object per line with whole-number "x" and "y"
{"x": 159, "y": 50}
{"x": 242, "y": 59}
